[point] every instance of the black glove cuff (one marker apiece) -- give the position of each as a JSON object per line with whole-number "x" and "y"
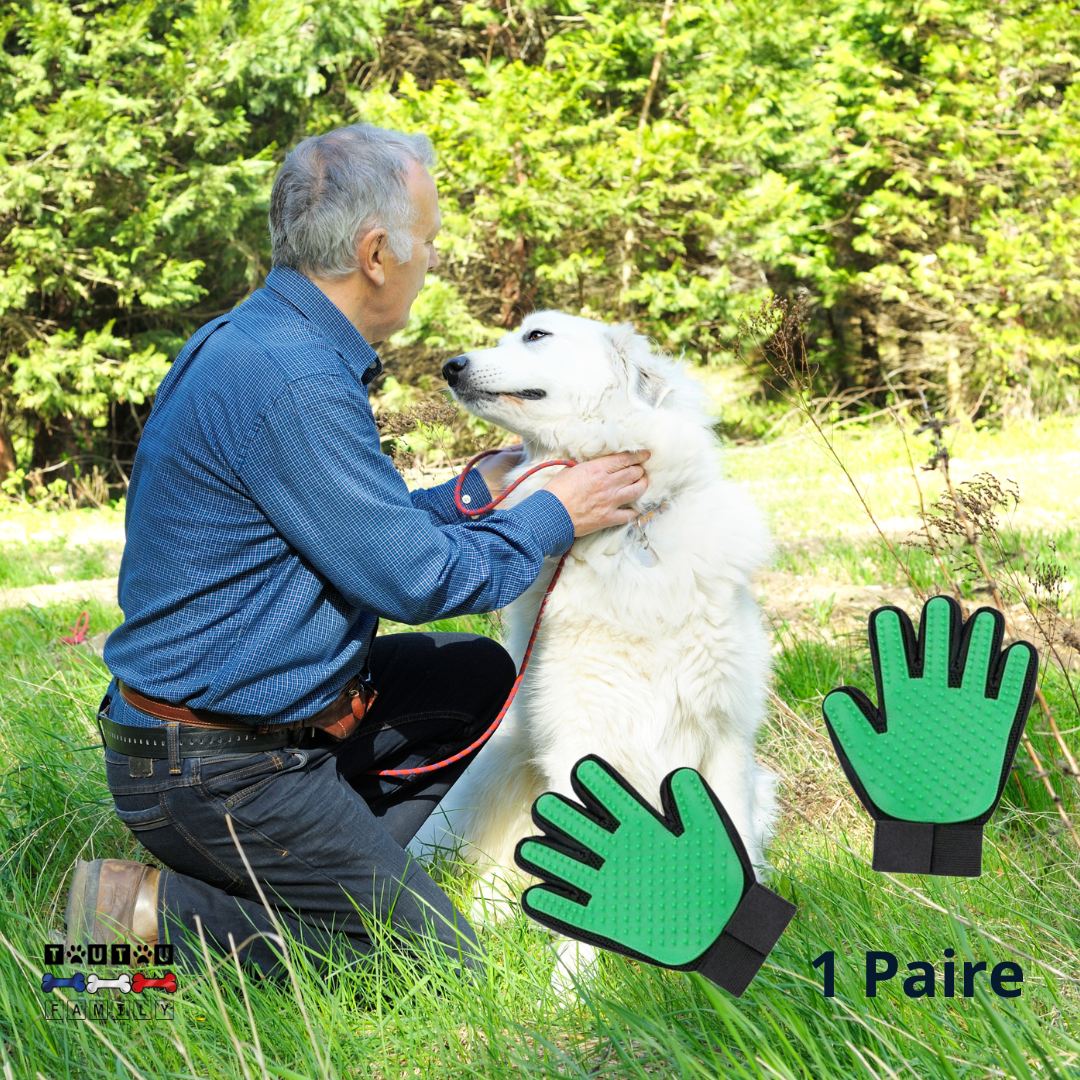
{"x": 754, "y": 928}
{"x": 916, "y": 847}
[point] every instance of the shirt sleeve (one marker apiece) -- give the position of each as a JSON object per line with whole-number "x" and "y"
{"x": 439, "y": 502}
{"x": 315, "y": 469}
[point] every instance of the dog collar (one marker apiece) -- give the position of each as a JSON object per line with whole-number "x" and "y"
{"x": 650, "y": 514}
{"x": 646, "y": 555}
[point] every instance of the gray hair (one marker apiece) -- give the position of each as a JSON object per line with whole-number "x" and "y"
{"x": 333, "y": 188}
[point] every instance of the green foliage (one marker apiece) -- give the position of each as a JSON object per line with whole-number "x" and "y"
{"x": 137, "y": 145}
{"x": 911, "y": 164}
{"x": 80, "y": 376}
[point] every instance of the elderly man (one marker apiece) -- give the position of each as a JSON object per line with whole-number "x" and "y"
{"x": 253, "y": 705}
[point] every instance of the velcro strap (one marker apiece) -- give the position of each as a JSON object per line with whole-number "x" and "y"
{"x": 754, "y": 928}
{"x": 916, "y": 847}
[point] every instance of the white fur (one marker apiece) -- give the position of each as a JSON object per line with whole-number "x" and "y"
{"x": 651, "y": 667}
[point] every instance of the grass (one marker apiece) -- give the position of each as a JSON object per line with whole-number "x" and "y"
{"x": 804, "y": 494}
{"x": 869, "y": 562}
{"x": 824, "y": 532}
{"x": 39, "y": 547}
{"x": 52, "y": 562}
{"x": 635, "y": 1021}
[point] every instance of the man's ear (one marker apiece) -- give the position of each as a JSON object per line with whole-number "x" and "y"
{"x": 643, "y": 374}
{"x": 371, "y": 256}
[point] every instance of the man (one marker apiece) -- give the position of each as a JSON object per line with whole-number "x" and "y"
{"x": 252, "y": 703}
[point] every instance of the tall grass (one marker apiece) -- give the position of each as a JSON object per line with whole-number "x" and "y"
{"x": 401, "y": 1020}
{"x": 845, "y": 560}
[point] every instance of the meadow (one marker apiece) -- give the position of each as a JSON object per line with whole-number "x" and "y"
{"x": 635, "y": 1021}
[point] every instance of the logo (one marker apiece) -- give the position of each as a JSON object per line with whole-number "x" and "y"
{"x": 109, "y": 995}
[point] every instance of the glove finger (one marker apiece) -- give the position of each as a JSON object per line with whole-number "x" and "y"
{"x": 694, "y": 803}
{"x": 890, "y": 653}
{"x": 979, "y": 654}
{"x": 556, "y": 867}
{"x": 607, "y": 791}
{"x": 937, "y": 640}
{"x": 542, "y": 901}
{"x": 849, "y": 724}
{"x": 1021, "y": 662}
{"x": 552, "y": 810}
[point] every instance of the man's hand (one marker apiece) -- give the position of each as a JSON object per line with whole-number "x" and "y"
{"x": 496, "y": 468}
{"x": 595, "y": 492}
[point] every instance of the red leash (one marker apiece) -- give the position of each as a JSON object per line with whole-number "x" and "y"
{"x": 78, "y": 631}
{"x": 532, "y": 637}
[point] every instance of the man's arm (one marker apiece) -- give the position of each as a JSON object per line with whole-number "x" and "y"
{"x": 315, "y": 469}
{"x": 438, "y": 501}
{"x": 486, "y": 482}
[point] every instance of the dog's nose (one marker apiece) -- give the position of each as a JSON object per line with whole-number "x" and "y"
{"x": 453, "y": 368}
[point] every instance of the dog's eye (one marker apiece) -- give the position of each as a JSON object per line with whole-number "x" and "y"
{"x": 536, "y": 335}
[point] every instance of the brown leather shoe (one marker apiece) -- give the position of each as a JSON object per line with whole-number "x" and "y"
{"x": 112, "y": 899}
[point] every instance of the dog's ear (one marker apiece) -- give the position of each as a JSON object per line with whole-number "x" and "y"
{"x": 652, "y": 386}
{"x": 642, "y": 371}
{"x": 622, "y": 341}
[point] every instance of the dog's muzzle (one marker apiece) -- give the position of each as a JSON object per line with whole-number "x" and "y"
{"x": 454, "y": 368}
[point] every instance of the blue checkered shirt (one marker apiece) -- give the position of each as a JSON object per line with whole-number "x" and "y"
{"x": 266, "y": 531}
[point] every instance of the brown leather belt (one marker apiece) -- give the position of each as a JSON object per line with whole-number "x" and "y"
{"x": 339, "y": 719}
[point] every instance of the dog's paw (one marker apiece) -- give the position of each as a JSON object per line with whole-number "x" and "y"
{"x": 576, "y": 965}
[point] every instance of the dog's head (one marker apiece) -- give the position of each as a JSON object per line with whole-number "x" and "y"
{"x": 558, "y": 377}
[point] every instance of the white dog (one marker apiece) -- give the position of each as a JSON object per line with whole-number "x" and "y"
{"x": 652, "y": 652}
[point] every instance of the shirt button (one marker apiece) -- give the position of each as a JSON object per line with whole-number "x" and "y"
{"x": 466, "y": 499}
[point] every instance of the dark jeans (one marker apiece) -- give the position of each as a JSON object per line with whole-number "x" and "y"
{"x": 324, "y": 839}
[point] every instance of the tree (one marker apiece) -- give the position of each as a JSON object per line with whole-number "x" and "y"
{"x": 135, "y": 163}
{"x": 912, "y": 167}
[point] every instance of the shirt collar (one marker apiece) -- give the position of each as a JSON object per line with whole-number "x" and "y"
{"x": 317, "y": 308}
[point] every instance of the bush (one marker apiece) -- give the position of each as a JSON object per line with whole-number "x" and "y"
{"x": 911, "y": 167}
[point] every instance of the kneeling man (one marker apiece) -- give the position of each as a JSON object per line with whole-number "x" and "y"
{"x": 266, "y": 535}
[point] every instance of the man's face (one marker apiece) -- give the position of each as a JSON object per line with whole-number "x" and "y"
{"x": 405, "y": 279}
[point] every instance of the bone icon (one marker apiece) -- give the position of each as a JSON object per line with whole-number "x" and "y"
{"x": 94, "y": 983}
{"x": 166, "y": 983}
{"x": 77, "y": 982}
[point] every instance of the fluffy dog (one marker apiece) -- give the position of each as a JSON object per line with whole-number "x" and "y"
{"x": 652, "y": 652}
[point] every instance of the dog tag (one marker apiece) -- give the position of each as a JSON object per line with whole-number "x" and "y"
{"x": 647, "y": 557}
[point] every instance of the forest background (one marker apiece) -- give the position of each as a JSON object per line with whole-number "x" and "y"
{"x": 912, "y": 169}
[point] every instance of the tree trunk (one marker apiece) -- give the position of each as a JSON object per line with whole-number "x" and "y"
{"x": 7, "y": 452}
{"x": 53, "y": 441}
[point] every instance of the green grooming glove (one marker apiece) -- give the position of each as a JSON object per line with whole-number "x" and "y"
{"x": 677, "y": 890}
{"x": 930, "y": 762}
